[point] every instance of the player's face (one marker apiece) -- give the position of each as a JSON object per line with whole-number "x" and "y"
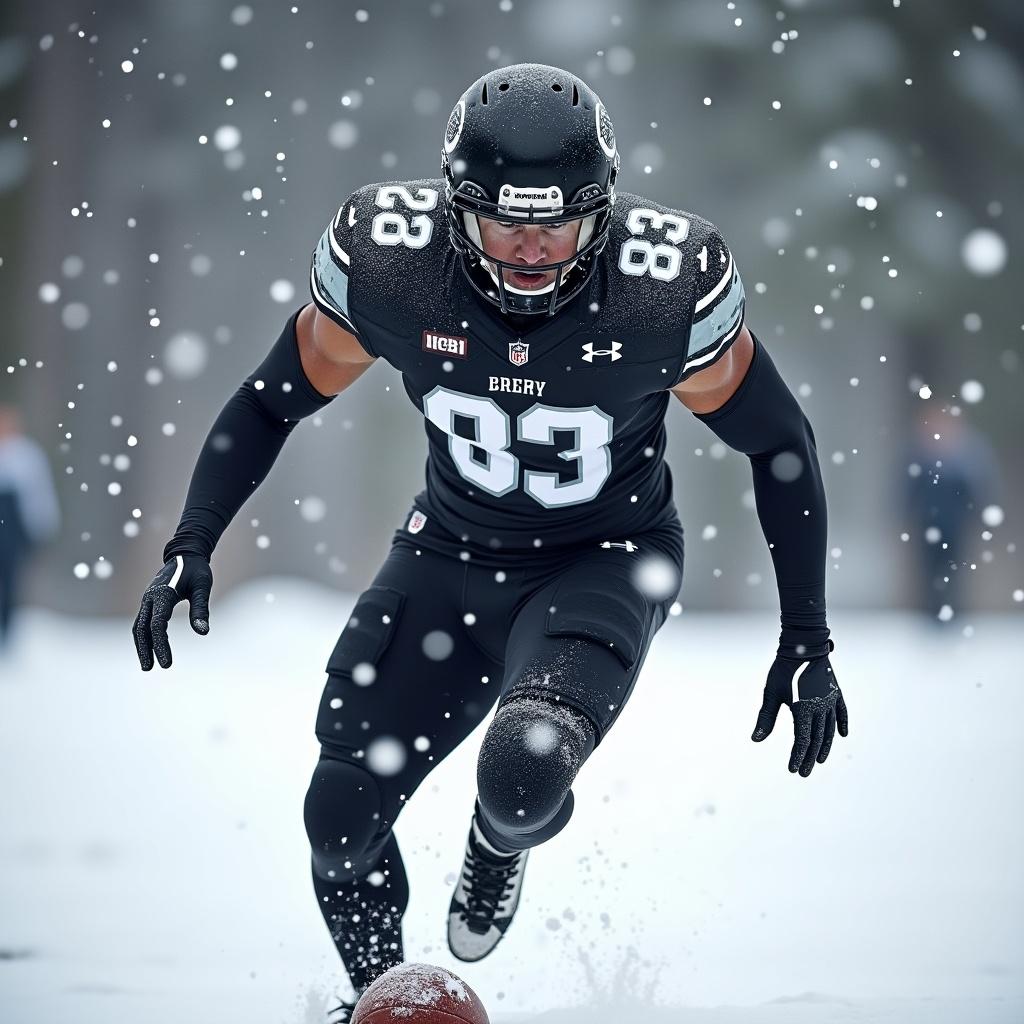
{"x": 529, "y": 245}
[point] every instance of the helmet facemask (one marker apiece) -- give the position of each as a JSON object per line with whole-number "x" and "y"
{"x": 591, "y": 207}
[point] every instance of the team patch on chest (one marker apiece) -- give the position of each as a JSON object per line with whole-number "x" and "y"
{"x": 445, "y": 344}
{"x": 517, "y": 385}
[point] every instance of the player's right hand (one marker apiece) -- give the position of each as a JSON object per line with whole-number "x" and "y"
{"x": 184, "y": 577}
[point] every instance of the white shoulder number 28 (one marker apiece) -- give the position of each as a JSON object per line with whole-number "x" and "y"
{"x": 390, "y": 228}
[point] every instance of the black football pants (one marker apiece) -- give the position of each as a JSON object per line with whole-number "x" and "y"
{"x": 428, "y": 650}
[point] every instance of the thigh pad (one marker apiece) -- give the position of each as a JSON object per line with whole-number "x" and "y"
{"x": 368, "y": 631}
{"x": 583, "y": 640}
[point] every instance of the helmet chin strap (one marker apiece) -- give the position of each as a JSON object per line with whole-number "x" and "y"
{"x": 473, "y": 230}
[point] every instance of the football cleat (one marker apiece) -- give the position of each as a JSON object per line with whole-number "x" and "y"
{"x": 485, "y": 899}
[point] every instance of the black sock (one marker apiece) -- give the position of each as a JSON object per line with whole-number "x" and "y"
{"x": 359, "y": 911}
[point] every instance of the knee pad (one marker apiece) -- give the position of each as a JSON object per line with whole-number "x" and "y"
{"x": 342, "y": 813}
{"x": 530, "y": 756}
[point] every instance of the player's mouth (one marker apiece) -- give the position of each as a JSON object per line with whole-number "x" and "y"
{"x": 528, "y": 278}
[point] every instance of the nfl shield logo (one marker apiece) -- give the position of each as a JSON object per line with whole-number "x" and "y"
{"x": 518, "y": 352}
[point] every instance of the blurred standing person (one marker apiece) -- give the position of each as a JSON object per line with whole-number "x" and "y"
{"x": 29, "y": 513}
{"x": 952, "y": 473}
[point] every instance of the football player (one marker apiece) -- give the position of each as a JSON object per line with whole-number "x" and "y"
{"x": 542, "y": 321}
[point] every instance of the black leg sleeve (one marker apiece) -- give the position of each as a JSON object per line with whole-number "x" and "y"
{"x": 243, "y": 443}
{"x": 764, "y": 421}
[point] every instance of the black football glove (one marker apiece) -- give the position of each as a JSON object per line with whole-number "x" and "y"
{"x": 810, "y": 689}
{"x": 182, "y": 577}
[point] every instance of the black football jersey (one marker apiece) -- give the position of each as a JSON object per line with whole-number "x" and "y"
{"x": 543, "y": 431}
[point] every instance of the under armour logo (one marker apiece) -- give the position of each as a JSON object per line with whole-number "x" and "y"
{"x": 627, "y": 545}
{"x": 589, "y": 351}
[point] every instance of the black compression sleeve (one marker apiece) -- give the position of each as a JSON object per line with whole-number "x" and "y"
{"x": 243, "y": 443}
{"x": 763, "y": 420}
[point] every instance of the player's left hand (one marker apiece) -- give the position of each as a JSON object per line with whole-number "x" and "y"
{"x": 810, "y": 689}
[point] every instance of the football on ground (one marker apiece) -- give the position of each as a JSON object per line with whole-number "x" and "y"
{"x": 419, "y": 992}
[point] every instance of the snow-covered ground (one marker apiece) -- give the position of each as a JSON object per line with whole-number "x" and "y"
{"x": 153, "y": 864}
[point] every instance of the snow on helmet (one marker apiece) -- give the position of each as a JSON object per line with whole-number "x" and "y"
{"x": 529, "y": 143}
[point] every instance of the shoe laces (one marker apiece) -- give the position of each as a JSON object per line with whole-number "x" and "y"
{"x": 489, "y": 881}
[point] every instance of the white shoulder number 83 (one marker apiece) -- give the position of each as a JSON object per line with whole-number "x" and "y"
{"x": 661, "y": 260}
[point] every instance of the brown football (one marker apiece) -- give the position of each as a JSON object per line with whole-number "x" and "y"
{"x": 421, "y": 993}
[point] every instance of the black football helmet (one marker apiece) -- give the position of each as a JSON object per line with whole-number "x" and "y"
{"x": 529, "y": 143}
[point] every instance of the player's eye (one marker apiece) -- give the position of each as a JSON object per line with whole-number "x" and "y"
{"x": 506, "y": 224}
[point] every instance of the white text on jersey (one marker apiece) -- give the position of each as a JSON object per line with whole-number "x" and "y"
{"x": 517, "y": 385}
{"x": 445, "y": 344}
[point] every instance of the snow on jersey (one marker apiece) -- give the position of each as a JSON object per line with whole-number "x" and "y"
{"x": 543, "y": 431}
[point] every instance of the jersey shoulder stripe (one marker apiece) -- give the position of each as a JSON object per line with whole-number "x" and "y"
{"x": 719, "y": 310}
{"x": 329, "y": 271}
